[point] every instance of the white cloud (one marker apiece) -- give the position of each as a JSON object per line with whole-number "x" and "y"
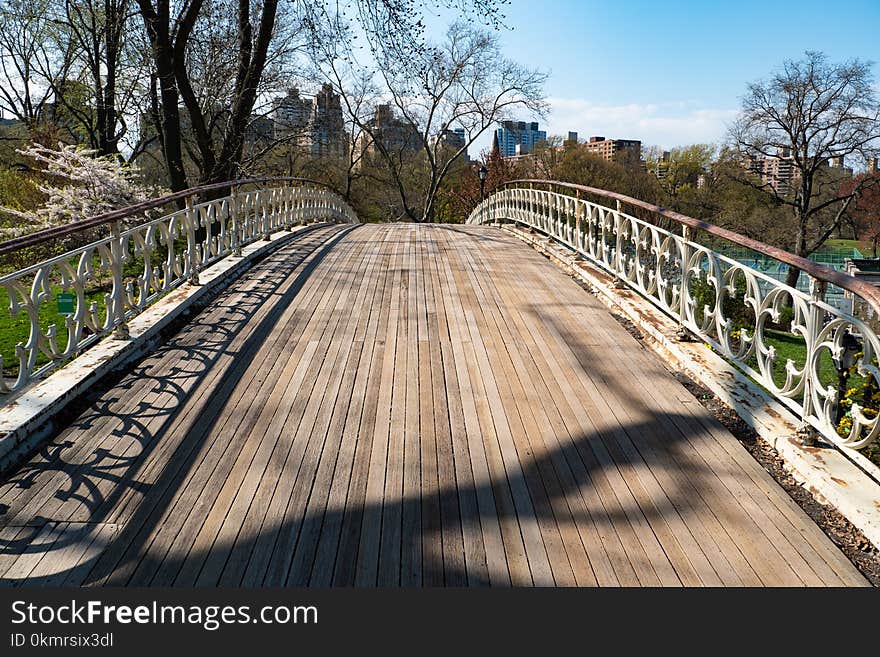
{"x": 666, "y": 124}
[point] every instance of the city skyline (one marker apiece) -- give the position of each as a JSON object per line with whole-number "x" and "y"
{"x": 668, "y": 74}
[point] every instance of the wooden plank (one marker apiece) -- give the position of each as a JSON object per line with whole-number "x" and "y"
{"x": 411, "y": 500}
{"x": 668, "y": 526}
{"x": 760, "y": 555}
{"x": 110, "y": 420}
{"x": 461, "y": 524}
{"x": 345, "y": 498}
{"x": 361, "y": 531}
{"x": 15, "y": 539}
{"x": 291, "y": 560}
{"x": 472, "y": 469}
{"x": 369, "y": 542}
{"x": 275, "y": 494}
{"x": 172, "y": 469}
{"x": 36, "y": 550}
{"x": 593, "y": 393}
{"x": 197, "y": 492}
{"x": 388, "y": 568}
{"x": 567, "y": 557}
{"x": 431, "y": 536}
{"x": 224, "y": 522}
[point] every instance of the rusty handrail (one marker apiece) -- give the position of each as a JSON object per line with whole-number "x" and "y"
{"x": 866, "y": 291}
{"x": 48, "y": 234}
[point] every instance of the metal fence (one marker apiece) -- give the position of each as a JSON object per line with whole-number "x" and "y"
{"x": 729, "y": 305}
{"x": 108, "y": 281}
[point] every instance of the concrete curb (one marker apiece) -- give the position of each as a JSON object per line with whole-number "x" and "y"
{"x": 29, "y": 418}
{"x": 825, "y": 472}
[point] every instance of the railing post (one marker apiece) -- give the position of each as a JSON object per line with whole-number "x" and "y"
{"x": 682, "y": 334}
{"x": 619, "y": 282}
{"x": 117, "y": 255}
{"x": 808, "y": 435}
{"x": 267, "y": 230}
{"x": 192, "y": 255}
{"x": 233, "y": 210}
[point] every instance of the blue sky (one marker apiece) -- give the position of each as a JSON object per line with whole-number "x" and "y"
{"x": 671, "y": 72}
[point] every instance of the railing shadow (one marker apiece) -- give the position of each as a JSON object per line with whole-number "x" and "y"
{"x": 85, "y": 486}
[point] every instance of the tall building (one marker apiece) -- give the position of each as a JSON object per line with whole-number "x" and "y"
{"x": 292, "y": 114}
{"x": 328, "y": 126}
{"x": 452, "y": 140}
{"x": 517, "y": 138}
{"x": 873, "y": 165}
{"x": 395, "y": 135}
{"x": 315, "y": 123}
{"x": 662, "y": 166}
{"x": 777, "y": 172}
{"x": 622, "y": 151}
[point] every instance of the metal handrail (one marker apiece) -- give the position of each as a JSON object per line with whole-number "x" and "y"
{"x": 691, "y": 282}
{"x": 47, "y": 234}
{"x": 866, "y": 291}
{"x": 163, "y": 253}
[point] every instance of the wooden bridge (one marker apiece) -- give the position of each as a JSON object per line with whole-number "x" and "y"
{"x": 403, "y": 405}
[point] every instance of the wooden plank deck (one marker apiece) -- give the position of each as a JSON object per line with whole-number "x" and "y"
{"x": 403, "y": 405}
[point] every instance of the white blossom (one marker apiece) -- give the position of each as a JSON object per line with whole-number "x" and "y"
{"x": 79, "y": 185}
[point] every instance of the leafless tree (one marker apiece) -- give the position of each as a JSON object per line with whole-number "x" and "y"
{"x": 816, "y": 110}
{"x": 110, "y": 63}
{"x": 463, "y": 83}
{"x": 171, "y": 28}
{"x": 74, "y": 68}
{"x": 29, "y": 61}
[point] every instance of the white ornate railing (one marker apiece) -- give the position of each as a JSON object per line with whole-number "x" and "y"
{"x": 116, "y": 277}
{"x": 724, "y": 302}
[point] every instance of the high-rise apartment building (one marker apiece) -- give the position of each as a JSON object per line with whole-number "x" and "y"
{"x": 328, "y": 126}
{"x": 315, "y": 123}
{"x": 292, "y": 114}
{"x": 517, "y": 138}
{"x": 452, "y": 140}
{"x": 777, "y": 172}
{"x": 622, "y": 151}
{"x": 386, "y": 131}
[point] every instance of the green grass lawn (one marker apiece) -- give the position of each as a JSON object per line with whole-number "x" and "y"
{"x": 791, "y": 346}
{"x": 14, "y": 330}
{"x": 840, "y": 246}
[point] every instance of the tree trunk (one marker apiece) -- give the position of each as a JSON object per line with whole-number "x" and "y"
{"x": 800, "y": 248}
{"x": 791, "y": 279}
{"x": 160, "y": 40}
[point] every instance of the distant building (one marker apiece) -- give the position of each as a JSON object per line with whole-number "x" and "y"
{"x": 839, "y": 166}
{"x": 292, "y": 114}
{"x": 516, "y": 138}
{"x": 387, "y": 131}
{"x": 315, "y": 124}
{"x": 328, "y": 126}
{"x": 777, "y": 172}
{"x": 452, "y": 139}
{"x": 622, "y": 151}
{"x": 572, "y": 137}
{"x": 873, "y": 165}
{"x": 780, "y": 174}
{"x": 260, "y": 131}
{"x": 662, "y": 166}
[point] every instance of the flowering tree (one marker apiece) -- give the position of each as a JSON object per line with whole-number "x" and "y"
{"x": 76, "y": 185}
